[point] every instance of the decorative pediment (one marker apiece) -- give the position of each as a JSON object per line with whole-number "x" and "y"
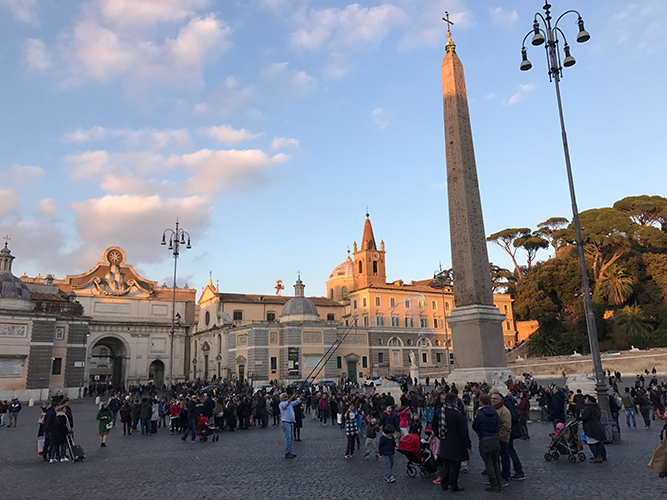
{"x": 240, "y": 360}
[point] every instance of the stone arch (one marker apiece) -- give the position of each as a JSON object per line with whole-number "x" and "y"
{"x": 112, "y": 368}
{"x": 156, "y": 372}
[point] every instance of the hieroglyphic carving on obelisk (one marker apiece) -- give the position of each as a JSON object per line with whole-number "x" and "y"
{"x": 470, "y": 260}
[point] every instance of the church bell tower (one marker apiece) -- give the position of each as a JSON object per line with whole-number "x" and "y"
{"x": 369, "y": 265}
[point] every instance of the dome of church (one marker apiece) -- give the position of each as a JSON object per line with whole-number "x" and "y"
{"x": 299, "y": 308}
{"x": 344, "y": 270}
{"x": 14, "y": 294}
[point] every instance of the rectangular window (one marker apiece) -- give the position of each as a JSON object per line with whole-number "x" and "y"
{"x": 363, "y": 302}
{"x": 392, "y": 302}
{"x": 378, "y": 301}
{"x": 507, "y": 325}
{"x": 446, "y": 306}
{"x": 356, "y": 320}
{"x": 379, "y": 321}
{"x": 354, "y": 304}
{"x": 438, "y": 357}
{"x": 394, "y": 321}
{"x": 56, "y": 366}
{"x": 506, "y": 309}
{"x": 434, "y": 305}
{"x": 423, "y": 322}
{"x": 238, "y": 315}
{"x": 435, "y": 322}
{"x": 270, "y": 316}
{"x": 347, "y": 322}
{"x": 380, "y": 357}
{"x": 425, "y": 356}
{"x": 339, "y": 362}
{"x": 274, "y": 363}
{"x": 407, "y": 303}
{"x": 365, "y": 320}
{"x": 451, "y": 358}
{"x": 409, "y": 323}
{"x": 364, "y": 361}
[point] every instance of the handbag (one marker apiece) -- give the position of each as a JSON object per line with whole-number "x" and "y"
{"x": 40, "y": 420}
{"x": 109, "y": 425}
{"x": 40, "y": 445}
{"x": 659, "y": 460}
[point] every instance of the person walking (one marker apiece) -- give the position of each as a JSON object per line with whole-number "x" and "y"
{"x": 191, "y": 415}
{"x": 450, "y": 426}
{"x": 126, "y": 417}
{"x": 557, "y": 407}
{"x": 14, "y": 409}
{"x": 324, "y": 409}
{"x": 593, "y": 429}
{"x": 287, "y": 420}
{"x": 629, "y": 406}
{"x": 298, "y": 421}
{"x": 351, "y": 430}
{"x": 486, "y": 426}
{"x": 387, "y": 449}
{"x": 59, "y": 430}
{"x": 104, "y": 418}
{"x": 145, "y": 413}
{"x": 644, "y": 407}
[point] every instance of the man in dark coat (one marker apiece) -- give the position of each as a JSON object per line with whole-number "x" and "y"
{"x": 557, "y": 407}
{"x": 454, "y": 442}
{"x": 262, "y": 413}
{"x": 593, "y": 429}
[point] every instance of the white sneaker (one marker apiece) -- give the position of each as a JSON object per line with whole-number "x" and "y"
{"x": 64, "y": 459}
{"x": 52, "y": 461}
{"x": 390, "y": 479}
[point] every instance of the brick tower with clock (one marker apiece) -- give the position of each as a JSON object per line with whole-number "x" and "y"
{"x": 369, "y": 265}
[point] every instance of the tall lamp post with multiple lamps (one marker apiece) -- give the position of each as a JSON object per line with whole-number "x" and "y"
{"x": 176, "y": 239}
{"x": 545, "y": 33}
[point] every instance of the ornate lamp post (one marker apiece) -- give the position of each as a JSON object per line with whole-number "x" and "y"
{"x": 542, "y": 32}
{"x": 441, "y": 280}
{"x": 176, "y": 239}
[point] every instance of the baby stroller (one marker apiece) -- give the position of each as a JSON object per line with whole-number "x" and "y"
{"x": 566, "y": 441}
{"x": 418, "y": 455}
{"x": 206, "y": 430}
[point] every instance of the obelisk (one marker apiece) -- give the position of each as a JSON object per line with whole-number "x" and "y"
{"x": 477, "y": 335}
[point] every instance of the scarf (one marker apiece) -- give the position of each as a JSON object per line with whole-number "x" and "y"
{"x": 442, "y": 419}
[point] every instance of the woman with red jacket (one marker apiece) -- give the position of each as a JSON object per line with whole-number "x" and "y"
{"x": 404, "y": 421}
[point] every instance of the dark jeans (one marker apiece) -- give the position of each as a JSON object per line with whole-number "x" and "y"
{"x": 192, "y": 427}
{"x": 350, "y": 445}
{"x": 598, "y": 450}
{"x": 127, "y": 428}
{"x": 146, "y": 426}
{"x": 324, "y": 414}
{"x": 449, "y": 473}
{"x": 154, "y": 426}
{"x": 523, "y": 420}
{"x": 646, "y": 413}
{"x": 489, "y": 450}
{"x": 265, "y": 419}
{"x": 507, "y": 453}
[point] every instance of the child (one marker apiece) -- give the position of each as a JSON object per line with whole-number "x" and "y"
{"x": 350, "y": 430}
{"x": 416, "y": 425}
{"x": 371, "y": 441}
{"x": 386, "y": 449}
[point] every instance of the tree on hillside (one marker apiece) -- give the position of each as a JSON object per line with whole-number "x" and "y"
{"x": 505, "y": 240}
{"x": 634, "y": 324}
{"x": 531, "y": 243}
{"x": 502, "y": 280}
{"x": 607, "y": 236}
{"x": 550, "y": 226}
{"x": 615, "y": 285}
{"x": 644, "y": 210}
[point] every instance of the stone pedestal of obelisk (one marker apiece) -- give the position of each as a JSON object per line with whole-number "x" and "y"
{"x": 477, "y": 335}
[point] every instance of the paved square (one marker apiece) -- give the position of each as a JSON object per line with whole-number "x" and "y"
{"x": 250, "y": 464}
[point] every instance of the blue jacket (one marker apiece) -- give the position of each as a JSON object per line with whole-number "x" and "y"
{"x": 486, "y": 422}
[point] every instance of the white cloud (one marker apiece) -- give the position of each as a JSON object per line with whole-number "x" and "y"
{"x": 380, "y": 118}
{"x": 36, "y": 55}
{"x": 145, "y": 13}
{"x": 284, "y": 142}
{"x": 296, "y": 83}
{"x": 152, "y": 138}
{"x": 338, "y": 66}
{"x": 100, "y": 52}
{"x": 426, "y": 28}
{"x": 353, "y": 27}
{"x": 22, "y": 176}
{"x": 226, "y": 100}
{"x": 225, "y": 134}
{"x": 136, "y": 222}
{"x": 490, "y": 95}
{"x": 47, "y": 206}
{"x": 24, "y": 10}
{"x": 521, "y": 93}
{"x": 213, "y": 171}
{"x": 504, "y": 18}
{"x": 9, "y": 203}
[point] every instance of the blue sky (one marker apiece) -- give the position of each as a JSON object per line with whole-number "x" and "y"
{"x": 268, "y": 126}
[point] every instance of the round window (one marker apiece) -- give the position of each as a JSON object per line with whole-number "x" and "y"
{"x": 207, "y": 318}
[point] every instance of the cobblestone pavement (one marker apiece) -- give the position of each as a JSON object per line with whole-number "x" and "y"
{"x": 250, "y": 464}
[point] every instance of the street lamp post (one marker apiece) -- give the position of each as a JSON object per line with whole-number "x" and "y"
{"x": 443, "y": 279}
{"x": 542, "y": 32}
{"x": 176, "y": 239}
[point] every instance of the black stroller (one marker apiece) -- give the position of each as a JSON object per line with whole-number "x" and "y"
{"x": 567, "y": 442}
{"x": 419, "y": 456}
{"x": 207, "y": 430}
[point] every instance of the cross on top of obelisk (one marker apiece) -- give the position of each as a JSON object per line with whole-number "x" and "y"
{"x": 6, "y": 238}
{"x": 450, "y": 42}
